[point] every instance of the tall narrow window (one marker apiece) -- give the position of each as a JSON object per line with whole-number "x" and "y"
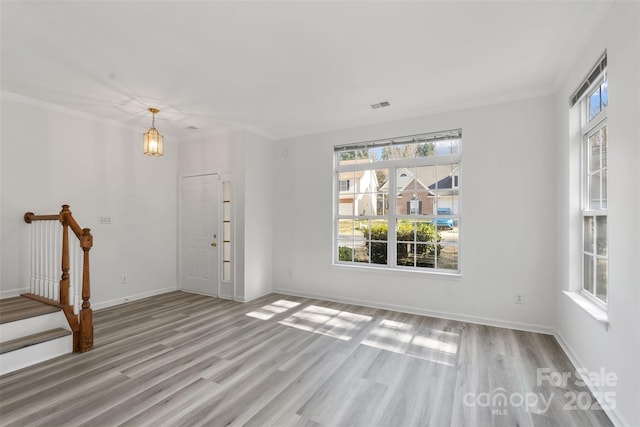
{"x": 401, "y": 208}
{"x": 595, "y": 255}
{"x": 226, "y": 231}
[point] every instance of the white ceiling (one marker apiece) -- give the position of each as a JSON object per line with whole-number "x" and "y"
{"x": 286, "y": 68}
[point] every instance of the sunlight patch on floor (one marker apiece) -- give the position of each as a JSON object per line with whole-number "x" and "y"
{"x": 402, "y": 338}
{"x": 327, "y": 321}
{"x": 268, "y": 311}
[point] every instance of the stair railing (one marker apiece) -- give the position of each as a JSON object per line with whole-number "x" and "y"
{"x": 50, "y": 246}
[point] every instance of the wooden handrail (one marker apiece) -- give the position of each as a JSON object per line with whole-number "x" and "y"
{"x": 30, "y": 216}
{"x": 82, "y": 325}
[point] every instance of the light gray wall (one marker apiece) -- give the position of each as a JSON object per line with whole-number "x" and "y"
{"x": 258, "y": 216}
{"x": 52, "y": 156}
{"x": 593, "y": 347}
{"x": 508, "y": 221}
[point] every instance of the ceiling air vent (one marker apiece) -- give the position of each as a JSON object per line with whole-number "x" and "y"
{"x": 380, "y": 105}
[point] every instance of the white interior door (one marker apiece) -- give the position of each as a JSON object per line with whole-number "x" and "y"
{"x": 200, "y": 234}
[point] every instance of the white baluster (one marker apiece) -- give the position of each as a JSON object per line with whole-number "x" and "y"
{"x": 78, "y": 262}
{"x": 47, "y": 259}
{"x": 40, "y": 227}
{"x": 32, "y": 278}
{"x": 50, "y": 260}
{"x": 57, "y": 260}
{"x": 72, "y": 270}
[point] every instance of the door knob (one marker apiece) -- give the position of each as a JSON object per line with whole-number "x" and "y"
{"x": 214, "y": 244}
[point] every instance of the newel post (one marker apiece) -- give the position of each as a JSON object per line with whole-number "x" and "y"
{"x": 64, "y": 280}
{"x": 86, "y": 314}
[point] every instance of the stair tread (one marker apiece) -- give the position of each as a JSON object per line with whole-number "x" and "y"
{"x": 38, "y": 338}
{"x": 18, "y": 308}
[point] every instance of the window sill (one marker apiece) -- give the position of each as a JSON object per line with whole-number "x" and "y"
{"x": 594, "y": 310}
{"x": 436, "y": 274}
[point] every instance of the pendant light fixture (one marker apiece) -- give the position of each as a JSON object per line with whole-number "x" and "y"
{"x": 153, "y": 142}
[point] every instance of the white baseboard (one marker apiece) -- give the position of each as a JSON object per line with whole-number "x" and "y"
{"x": 613, "y": 414}
{"x": 422, "y": 312}
{"x": 129, "y": 298}
{"x": 252, "y": 297}
{"x": 10, "y": 293}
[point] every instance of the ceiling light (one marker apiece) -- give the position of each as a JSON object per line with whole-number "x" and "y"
{"x": 153, "y": 144}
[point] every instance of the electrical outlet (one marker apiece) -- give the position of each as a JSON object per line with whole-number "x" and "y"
{"x": 123, "y": 279}
{"x": 519, "y": 299}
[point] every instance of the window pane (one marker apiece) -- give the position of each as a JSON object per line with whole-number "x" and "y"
{"x": 594, "y": 151}
{"x": 426, "y": 149}
{"x": 448, "y": 258}
{"x": 226, "y": 211}
{"x": 365, "y": 204}
{"x": 603, "y": 145}
{"x": 603, "y": 200}
{"x": 589, "y": 233}
{"x": 406, "y": 254}
{"x": 378, "y": 229}
{"x": 449, "y": 203}
{"x": 604, "y": 90}
{"x": 226, "y": 250}
{"x": 414, "y": 203}
{"x": 427, "y": 176}
{"x": 405, "y": 179}
{"x": 362, "y": 229}
{"x": 400, "y": 151}
{"x": 346, "y": 157}
{"x": 345, "y": 228}
{"x": 226, "y": 191}
{"x": 226, "y": 271}
{"x": 594, "y": 104}
{"x": 601, "y": 233}
{"x": 345, "y": 206}
{"x": 361, "y": 252}
{"x": 601, "y": 279}
{"x": 594, "y": 192}
{"x": 405, "y": 231}
{"x": 425, "y": 255}
{"x": 379, "y": 252}
{"x": 346, "y": 181}
{"x": 588, "y": 274}
{"x": 449, "y": 235}
{"x": 382, "y": 203}
{"x": 378, "y": 244}
{"x": 425, "y": 231}
{"x": 447, "y": 147}
{"x": 345, "y": 250}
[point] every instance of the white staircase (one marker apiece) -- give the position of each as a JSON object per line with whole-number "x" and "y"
{"x": 31, "y": 332}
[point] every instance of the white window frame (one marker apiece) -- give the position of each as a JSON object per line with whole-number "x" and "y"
{"x": 590, "y": 126}
{"x": 391, "y": 215}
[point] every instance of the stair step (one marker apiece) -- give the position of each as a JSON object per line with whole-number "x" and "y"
{"x": 34, "y": 339}
{"x": 18, "y": 308}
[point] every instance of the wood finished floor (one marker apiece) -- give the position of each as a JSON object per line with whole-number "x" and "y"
{"x": 184, "y": 359}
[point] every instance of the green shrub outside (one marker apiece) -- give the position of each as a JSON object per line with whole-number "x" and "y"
{"x": 424, "y": 233}
{"x": 345, "y": 253}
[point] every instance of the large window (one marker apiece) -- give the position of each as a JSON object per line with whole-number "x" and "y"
{"x": 401, "y": 208}
{"x": 593, "y": 103}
